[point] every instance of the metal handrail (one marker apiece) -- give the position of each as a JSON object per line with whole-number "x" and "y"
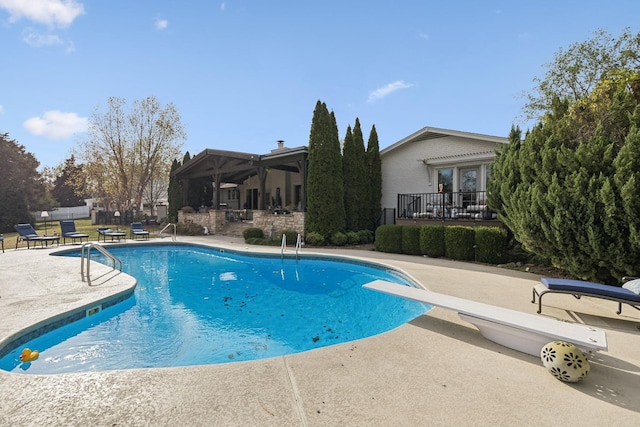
{"x": 298, "y": 244}
{"x": 167, "y": 226}
{"x": 88, "y": 246}
{"x": 283, "y": 245}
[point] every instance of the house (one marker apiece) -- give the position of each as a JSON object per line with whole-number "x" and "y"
{"x": 432, "y": 174}
{"x": 438, "y": 174}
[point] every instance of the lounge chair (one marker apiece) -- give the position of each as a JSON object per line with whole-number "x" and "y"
{"x": 107, "y": 232}
{"x": 68, "y": 231}
{"x": 579, "y": 288}
{"x": 138, "y": 231}
{"x": 27, "y": 233}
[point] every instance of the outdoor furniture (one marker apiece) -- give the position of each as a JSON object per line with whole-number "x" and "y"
{"x": 138, "y": 231}
{"x": 27, "y": 233}
{"x": 2, "y": 241}
{"x": 579, "y": 288}
{"x": 107, "y": 232}
{"x": 68, "y": 231}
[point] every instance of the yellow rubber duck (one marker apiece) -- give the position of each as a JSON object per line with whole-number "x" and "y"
{"x": 28, "y": 355}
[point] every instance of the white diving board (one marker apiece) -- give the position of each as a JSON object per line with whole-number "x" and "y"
{"x": 520, "y": 331}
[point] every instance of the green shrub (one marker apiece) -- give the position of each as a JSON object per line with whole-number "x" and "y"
{"x": 314, "y": 239}
{"x": 189, "y": 228}
{"x": 365, "y": 236}
{"x": 339, "y": 239}
{"x": 252, "y": 232}
{"x": 432, "y": 240}
{"x": 353, "y": 238}
{"x": 187, "y": 209}
{"x": 389, "y": 239}
{"x": 292, "y": 236}
{"x": 459, "y": 242}
{"x": 491, "y": 245}
{"x": 411, "y": 240}
{"x": 262, "y": 241}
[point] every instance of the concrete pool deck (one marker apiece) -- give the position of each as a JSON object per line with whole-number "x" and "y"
{"x": 435, "y": 370}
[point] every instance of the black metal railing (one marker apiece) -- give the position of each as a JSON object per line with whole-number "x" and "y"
{"x": 452, "y": 205}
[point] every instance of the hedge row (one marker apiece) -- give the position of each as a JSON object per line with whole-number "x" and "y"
{"x": 481, "y": 244}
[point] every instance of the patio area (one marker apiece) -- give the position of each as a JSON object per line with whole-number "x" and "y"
{"x": 435, "y": 370}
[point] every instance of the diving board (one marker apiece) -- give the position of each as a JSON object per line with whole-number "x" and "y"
{"x": 520, "y": 331}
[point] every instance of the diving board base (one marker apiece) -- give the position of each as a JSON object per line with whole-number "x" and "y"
{"x": 520, "y": 331}
{"x": 514, "y": 338}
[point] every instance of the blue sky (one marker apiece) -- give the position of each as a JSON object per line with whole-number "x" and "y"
{"x": 244, "y": 74}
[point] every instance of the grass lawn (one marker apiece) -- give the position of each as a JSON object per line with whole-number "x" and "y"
{"x": 82, "y": 226}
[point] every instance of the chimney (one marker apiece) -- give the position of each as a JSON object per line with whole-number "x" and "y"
{"x": 280, "y": 144}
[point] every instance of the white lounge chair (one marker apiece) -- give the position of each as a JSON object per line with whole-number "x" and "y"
{"x": 520, "y": 331}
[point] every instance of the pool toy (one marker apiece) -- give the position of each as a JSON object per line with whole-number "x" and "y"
{"x": 565, "y": 361}
{"x": 28, "y": 355}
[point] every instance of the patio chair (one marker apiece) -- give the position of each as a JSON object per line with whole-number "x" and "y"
{"x": 27, "y": 233}
{"x": 68, "y": 231}
{"x": 2, "y": 241}
{"x": 138, "y": 231}
{"x": 580, "y": 288}
{"x": 107, "y": 232}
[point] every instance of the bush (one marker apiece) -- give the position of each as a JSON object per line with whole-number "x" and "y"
{"x": 252, "y": 232}
{"x": 262, "y": 241}
{"x": 432, "y": 240}
{"x": 189, "y": 228}
{"x": 411, "y": 240}
{"x": 353, "y": 238}
{"x": 187, "y": 209}
{"x": 339, "y": 239}
{"x": 459, "y": 243}
{"x": 491, "y": 244}
{"x": 292, "y": 236}
{"x": 389, "y": 239}
{"x": 314, "y": 239}
{"x": 365, "y": 236}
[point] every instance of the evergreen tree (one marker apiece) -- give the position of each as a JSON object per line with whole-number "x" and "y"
{"x": 174, "y": 193}
{"x": 68, "y": 188}
{"x": 325, "y": 190}
{"x": 569, "y": 192}
{"x": 374, "y": 181}
{"x": 355, "y": 180}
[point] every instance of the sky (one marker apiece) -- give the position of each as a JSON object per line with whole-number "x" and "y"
{"x": 244, "y": 74}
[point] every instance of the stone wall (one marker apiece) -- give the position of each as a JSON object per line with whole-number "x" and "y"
{"x": 268, "y": 222}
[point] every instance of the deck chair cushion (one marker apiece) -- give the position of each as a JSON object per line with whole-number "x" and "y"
{"x": 633, "y": 286}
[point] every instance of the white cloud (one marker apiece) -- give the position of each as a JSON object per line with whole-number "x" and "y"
{"x": 161, "y": 24}
{"x": 60, "y": 13}
{"x": 223, "y": 6}
{"x": 1, "y": 109}
{"x": 56, "y": 124}
{"x": 34, "y": 39}
{"x": 424, "y": 36}
{"x": 388, "y": 89}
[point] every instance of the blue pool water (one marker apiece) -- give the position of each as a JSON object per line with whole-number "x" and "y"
{"x": 195, "y": 305}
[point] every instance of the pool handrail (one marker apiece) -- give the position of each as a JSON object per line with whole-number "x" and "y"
{"x": 103, "y": 251}
{"x": 167, "y": 226}
{"x": 298, "y": 244}
{"x": 283, "y": 245}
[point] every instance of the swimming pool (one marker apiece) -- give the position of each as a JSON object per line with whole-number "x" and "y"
{"x": 199, "y": 305}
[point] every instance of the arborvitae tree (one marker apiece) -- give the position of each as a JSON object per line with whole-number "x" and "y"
{"x": 355, "y": 180}
{"x": 325, "y": 191}
{"x": 174, "y": 193}
{"x": 569, "y": 192}
{"x": 374, "y": 180}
